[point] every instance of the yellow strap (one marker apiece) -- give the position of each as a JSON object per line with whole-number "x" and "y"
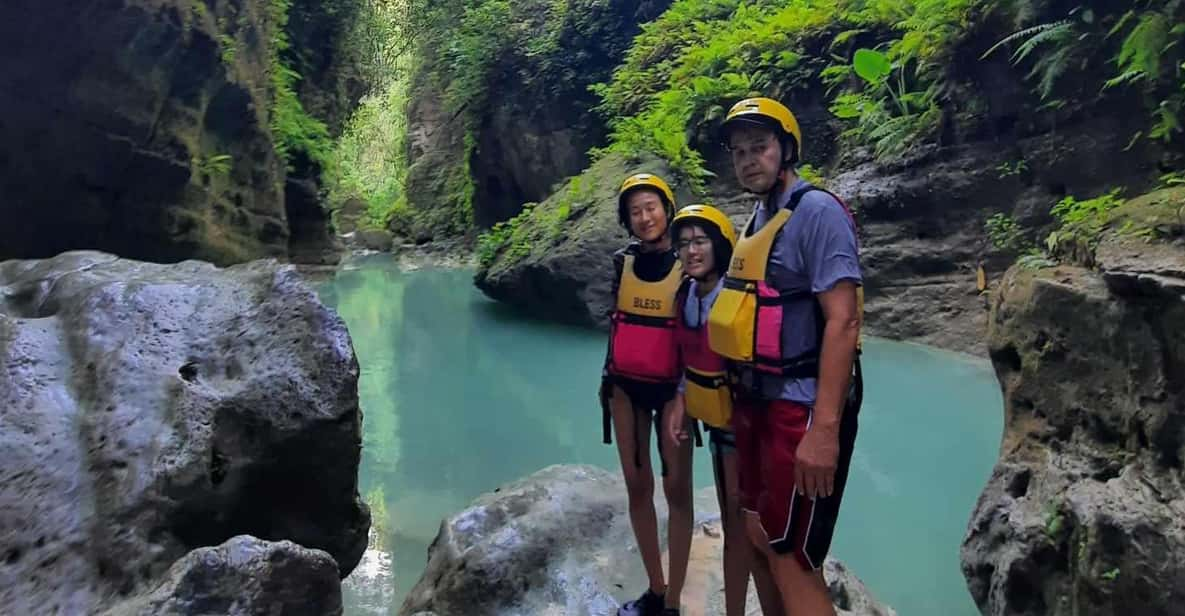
{"x": 648, "y": 299}
{"x": 751, "y": 254}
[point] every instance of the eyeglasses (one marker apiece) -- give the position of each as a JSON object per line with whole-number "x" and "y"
{"x": 701, "y": 243}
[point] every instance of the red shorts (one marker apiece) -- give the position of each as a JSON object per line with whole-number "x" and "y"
{"x": 767, "y": 438}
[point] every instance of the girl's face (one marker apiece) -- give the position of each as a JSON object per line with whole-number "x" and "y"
{"x": 648, "y": 215}
{"x": 695, "y": 251}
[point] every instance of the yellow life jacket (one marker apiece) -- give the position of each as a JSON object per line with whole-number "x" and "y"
{"x": 642, "y": 338}
{"x": 707, "y": 394}
{"x": 745, "y": 324}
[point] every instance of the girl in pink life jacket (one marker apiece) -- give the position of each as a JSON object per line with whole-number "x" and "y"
{"x": 642, "y": 372}
{"x": 704, "y": 239}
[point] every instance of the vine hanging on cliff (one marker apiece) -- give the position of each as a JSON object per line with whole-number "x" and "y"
{"x": 293, "y": 129}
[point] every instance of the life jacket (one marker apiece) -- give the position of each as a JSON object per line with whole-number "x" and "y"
{"x": 745, "y": 324}
{"x": 707, "y": 394}
{"x": 642, "y": 331}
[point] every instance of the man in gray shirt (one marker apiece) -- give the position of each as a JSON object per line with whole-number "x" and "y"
{"x": 795, "y": 422}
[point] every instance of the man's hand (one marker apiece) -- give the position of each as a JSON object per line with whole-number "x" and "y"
{"x": 815, "y": 460}
{"x": 818, "y": 453}
{"x": 675, "y": 424}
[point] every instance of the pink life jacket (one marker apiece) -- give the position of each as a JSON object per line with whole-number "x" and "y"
{"x": 642, "y": 337}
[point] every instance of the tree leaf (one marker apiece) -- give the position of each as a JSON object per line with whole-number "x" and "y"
{"x": 871, "y": 65}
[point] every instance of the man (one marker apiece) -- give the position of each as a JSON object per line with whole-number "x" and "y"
{"x": 788, "y": 320}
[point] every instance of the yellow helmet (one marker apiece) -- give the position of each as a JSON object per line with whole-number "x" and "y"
{"x": 644, "y": 180}
{"x": 704, "y": 213}
{"x": 764, "y": 112}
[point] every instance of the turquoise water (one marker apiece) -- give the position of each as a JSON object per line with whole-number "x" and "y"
{"x": 461, "y": 395}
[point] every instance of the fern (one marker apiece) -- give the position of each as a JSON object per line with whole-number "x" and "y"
{"x": 1056, "y": 33}
{"x": 1049, "y": 68}
{"x": 1139, "y": 57}
{"x": 1034, "y": 32}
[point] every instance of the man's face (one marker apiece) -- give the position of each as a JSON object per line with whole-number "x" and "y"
{"x": 756, "y": 157}
{"x": 648, "y": 215}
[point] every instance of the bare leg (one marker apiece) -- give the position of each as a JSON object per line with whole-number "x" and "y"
{"x": 804, "y": 592}
{"x": 767, "y": 588}
{"x": 736, "y": 543}
{"x": 807, "y": 591}
{"x": 677, "y": 487}
{"x": 639, "y": 483}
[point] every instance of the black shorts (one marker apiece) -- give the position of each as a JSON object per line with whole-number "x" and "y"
{"x": 650, "y": 399}
{"x": 647, "y": 396}
{"x": 722, "y": 442}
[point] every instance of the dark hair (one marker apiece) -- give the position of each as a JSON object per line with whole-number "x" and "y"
{"x": 721, "y": 250}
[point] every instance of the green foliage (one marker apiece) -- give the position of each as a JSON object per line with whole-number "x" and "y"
{"x": 701, "y": 56}
{"x": 200, "y": 10}
{"x": 1146, "y": 44}
{"x": 1034, "y": 261}
{"x": 468, "y": 49}
{"x": 293, "y": 130}
{"x": 1005, "y": 234}
{"x": 698, "y": 58}
{"x": 537, "y": 225}
{"x": 1072, "y": 212}
{"x": 213, "y": 165}
{"x": 229, "y": 48}
{"x": 1060, "y": 35}
{"x": 480, "y": 38}
{"x": 911, "y": 117}
{"x": 370, "y": 157}
{"x": 1110, "y": 576}
{"x": 872, "y": 66}
{"x": 1010, "y": 168}
{"x": 509, "y": 235}
{"x": 1055, "y": 521}
{"x": 1081, "y": 222}
{"x": 377, "y": 41}
{"x": 811, "y": 174}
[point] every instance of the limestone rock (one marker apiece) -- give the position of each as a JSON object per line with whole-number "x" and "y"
{"x": 1083, "y": 514}
{"x": 559, "y": 542}
{"x": 141, "y": 128}
{"x": 148, "y": 410}
{"x": 242, "y": 577}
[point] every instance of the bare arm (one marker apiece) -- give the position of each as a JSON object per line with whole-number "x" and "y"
{"x": 840, "y": 333}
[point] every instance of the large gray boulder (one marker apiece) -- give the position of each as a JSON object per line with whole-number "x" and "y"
{"x": 148, "y": 410}
{"x": 1083, "y": 514}
{"x": 244, "y": 577}
{"x": 559, "y": 542}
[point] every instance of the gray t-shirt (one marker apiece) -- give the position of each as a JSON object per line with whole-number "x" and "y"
{"x": 696, "y": 309}
{"x": 816, "y": 250}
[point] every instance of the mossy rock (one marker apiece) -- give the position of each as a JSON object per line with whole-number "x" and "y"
{"x": 1154, "y": 217}
{"x": 555, "y": 259}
